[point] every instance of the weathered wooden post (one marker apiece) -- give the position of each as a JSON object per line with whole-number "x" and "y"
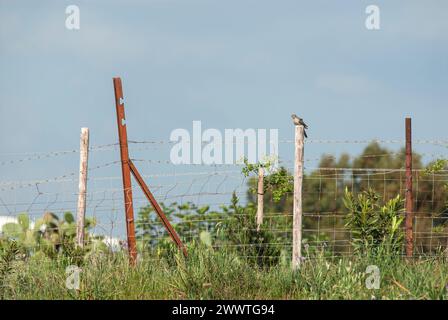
{"x": 83, "y": 162}
{"x": 409, "y": 218}
{"x": 298, "y": 181}
{"x": 260, "y": 197}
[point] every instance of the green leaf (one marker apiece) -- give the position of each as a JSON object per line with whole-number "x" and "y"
{"x": 12, "y": 230}
{"x": 50, "y": 217}
{"x": 206, "y": 238}
{"x": 68, "y": 217}
{"x": 24, "y": 221}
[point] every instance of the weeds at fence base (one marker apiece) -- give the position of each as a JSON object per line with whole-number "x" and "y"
{"x": 218, "y": 274}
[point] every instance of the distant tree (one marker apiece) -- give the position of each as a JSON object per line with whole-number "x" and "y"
{"x": 323, "y": 192}
{"x": 376, "y": 168}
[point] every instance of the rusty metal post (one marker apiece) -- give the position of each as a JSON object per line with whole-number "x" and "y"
{"x": 409, "y": 198}
{"x": 126, "y": 172}
{"x": 128, "y": 168}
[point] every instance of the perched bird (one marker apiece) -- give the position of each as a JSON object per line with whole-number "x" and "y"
{"x": 299, "y": 122}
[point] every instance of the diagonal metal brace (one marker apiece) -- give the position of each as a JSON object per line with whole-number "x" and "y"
{"x": 128, "y": 168}
{"x": 156, "y": 207}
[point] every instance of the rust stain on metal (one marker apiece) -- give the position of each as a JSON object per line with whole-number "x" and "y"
{"x": 126, "y": 172}
{"x": 157, "y": 208}
{"x": 128, "y": 167}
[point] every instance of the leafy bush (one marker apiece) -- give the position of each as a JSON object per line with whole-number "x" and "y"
{"x": 49, "y": 234}
{"x": 233, "y": 227}
{"x": 375, "y": 228}
{"x": 8, "y": 256}
{"x": 239, "y": 231}
{"x": 189, "y": 220}
{"x": 280, "y": 182}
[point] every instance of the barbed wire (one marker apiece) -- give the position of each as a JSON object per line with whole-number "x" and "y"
{"x": 61, "y": 178}
{"x": 213, "y": 186}
{"x": 47, "y": 154}
{"x": 311, "y": 141}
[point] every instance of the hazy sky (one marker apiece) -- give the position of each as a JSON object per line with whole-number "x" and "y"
{"x": 230, "y": 64}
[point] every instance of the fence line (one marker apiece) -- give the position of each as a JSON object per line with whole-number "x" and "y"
{"x": 324, "y": 216}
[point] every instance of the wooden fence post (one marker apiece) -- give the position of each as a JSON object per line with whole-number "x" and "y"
{"x": 297, "y": 208}
{"x": 260, "y": 198}
{"x": 409, "y": 198}
{"x": 83, "y": 161}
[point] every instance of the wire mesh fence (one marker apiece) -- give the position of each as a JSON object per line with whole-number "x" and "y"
{"x": 197, "y": 198}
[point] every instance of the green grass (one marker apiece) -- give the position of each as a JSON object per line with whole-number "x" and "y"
{"x": 208, "y": 274}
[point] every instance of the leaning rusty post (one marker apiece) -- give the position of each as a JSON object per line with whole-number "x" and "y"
{"x": 126, "y": 172}
{"x": 409, "y": 199}
{"x": 128, "y": 168}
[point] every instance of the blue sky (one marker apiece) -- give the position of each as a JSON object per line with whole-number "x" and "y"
{"x": 230, "y": 64}
{"x": 227, "y": 63}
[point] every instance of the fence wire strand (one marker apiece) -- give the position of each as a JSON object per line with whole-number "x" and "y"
{"x": 186, "y": 192}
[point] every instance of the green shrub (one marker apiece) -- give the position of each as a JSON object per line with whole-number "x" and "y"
{"x": 375, "y": 228}
{"x": 239, "y": 232}
{"x": 50, "y": 235}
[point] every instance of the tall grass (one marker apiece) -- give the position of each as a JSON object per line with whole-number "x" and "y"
{"x": 211, "y": 274}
